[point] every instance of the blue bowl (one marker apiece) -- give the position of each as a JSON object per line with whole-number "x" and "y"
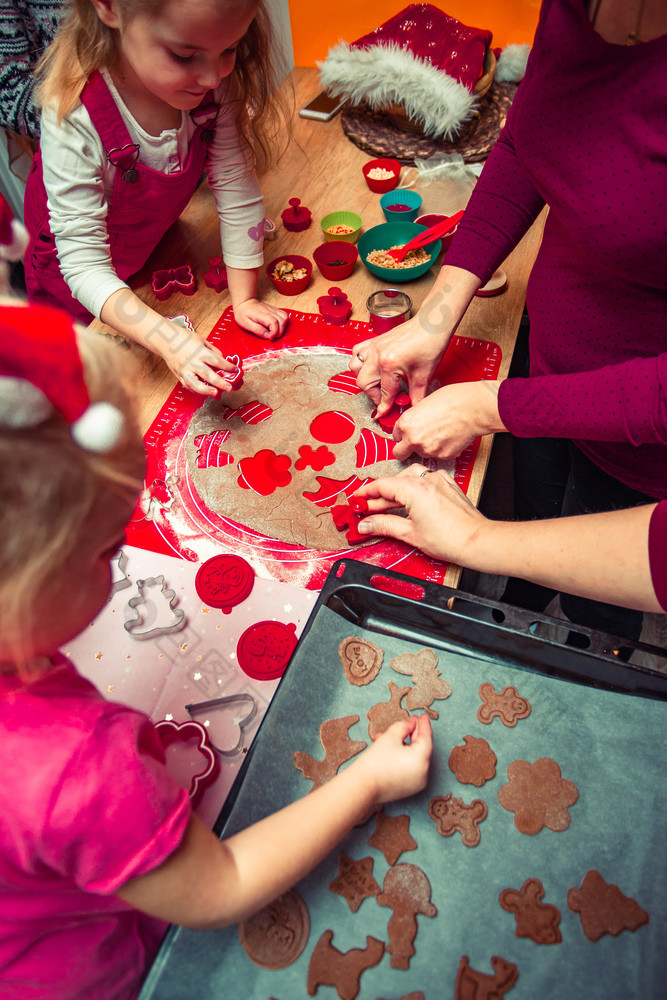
{"x": 409, "y": 201}
{"x": 392, "y": 234}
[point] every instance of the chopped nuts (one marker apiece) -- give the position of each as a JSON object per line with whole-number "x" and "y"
{"x": 382, "y": 258}
{"x": 285, "y": 271}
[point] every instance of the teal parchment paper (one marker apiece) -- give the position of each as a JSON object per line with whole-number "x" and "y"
{"x": 610, "y": 745}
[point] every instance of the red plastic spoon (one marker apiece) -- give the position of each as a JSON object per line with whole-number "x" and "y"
{"x": 428, "y": 236}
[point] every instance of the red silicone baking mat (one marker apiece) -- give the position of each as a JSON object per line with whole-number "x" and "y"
{"x": 172, "y": 518}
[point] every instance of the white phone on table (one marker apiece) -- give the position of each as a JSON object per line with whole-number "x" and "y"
{"x": 323, "y": 107}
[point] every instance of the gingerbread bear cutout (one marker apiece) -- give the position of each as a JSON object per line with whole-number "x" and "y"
{"x": 534, "y": 919}
{"x": 407, "y": 891}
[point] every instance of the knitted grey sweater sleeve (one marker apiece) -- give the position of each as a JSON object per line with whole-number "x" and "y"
{"x": 26, "y": 28}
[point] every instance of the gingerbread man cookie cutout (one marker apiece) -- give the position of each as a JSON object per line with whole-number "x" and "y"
{"x": 506, "y": 705}
{"x": 429, "y": 685}
{"x": 534, "y": 919}
{"x": 452, "y": 815}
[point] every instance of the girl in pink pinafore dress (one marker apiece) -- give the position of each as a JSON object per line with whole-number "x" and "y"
{"x": 139, "y": 98}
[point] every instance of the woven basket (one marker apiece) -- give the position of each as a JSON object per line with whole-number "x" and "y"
{"x": 396, "y": 112}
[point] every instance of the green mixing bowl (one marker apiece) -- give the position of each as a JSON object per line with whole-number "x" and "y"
{"x": 395, "y": 234}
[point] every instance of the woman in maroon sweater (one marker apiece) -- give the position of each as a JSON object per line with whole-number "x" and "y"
{"x": 618, "y": 555}
{"x": 587, "y": 136}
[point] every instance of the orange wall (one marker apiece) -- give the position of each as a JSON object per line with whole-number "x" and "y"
{"x": 315, "y": 29}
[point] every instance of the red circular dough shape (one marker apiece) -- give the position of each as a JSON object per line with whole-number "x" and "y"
{"x": 264, "y": 649}
{"x": 332, "y": 427}
{"x": 224, "y": 581}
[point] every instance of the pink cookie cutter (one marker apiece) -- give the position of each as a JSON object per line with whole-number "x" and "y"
{"x": 183, "y": 732}
{"x": 173, "y": 279}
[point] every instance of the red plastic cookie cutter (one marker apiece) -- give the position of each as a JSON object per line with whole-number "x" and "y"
{"x": 170, "y": 732}
{"x": 264, "y": 649}
{"x": 173, "y": 279}
{"x": 216, "y": 276}
{"x": 345, "y": 516}
{"x": 234, "y": 378}
{"x": 224, "y": 581}
{"x": 401, "y": 404}
{"x": 183, "y": 321}
{"x": 335, "y": 307}
{"x": 296, "y": 217}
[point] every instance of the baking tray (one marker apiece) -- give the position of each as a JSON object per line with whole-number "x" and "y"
{"x": 602, "y": 720}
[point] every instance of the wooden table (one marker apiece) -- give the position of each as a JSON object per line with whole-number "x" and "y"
{"x": 322, "y": 168}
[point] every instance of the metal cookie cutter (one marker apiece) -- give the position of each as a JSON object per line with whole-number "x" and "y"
{"x": 230, "y": 699}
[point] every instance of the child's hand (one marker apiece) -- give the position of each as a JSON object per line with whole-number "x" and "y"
{"x": 197, "y": 364}
{"x": 260, "y": 318}
{"x": 396, "y": 768}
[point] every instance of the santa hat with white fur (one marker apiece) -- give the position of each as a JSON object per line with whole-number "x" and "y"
{"x": 422, "y": 59}
{"x": 41, "y": 371}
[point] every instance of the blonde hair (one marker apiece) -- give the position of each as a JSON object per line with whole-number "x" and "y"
{"x": 84, "y": 43}
{"x": 49, "y": 492}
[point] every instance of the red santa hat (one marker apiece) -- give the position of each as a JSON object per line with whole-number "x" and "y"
{"x": 422, "y": 59}
{"x": 41, "y": 371}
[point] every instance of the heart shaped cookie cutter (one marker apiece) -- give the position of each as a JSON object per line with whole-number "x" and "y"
{"x": 230, "y": 699}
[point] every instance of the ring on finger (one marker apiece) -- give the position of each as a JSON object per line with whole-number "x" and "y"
{"x": 427, "y": 472}
{"x": 361, "y": 358}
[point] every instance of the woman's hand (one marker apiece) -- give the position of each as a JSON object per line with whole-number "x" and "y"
{"x": 261, "y": 319}
{"x": 440, "y": 519}
{"x": 447, "y": 421}
{"x": 409, "y": 353}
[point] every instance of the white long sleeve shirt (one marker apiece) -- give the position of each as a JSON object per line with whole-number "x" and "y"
{"x": 79, "y": 183}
